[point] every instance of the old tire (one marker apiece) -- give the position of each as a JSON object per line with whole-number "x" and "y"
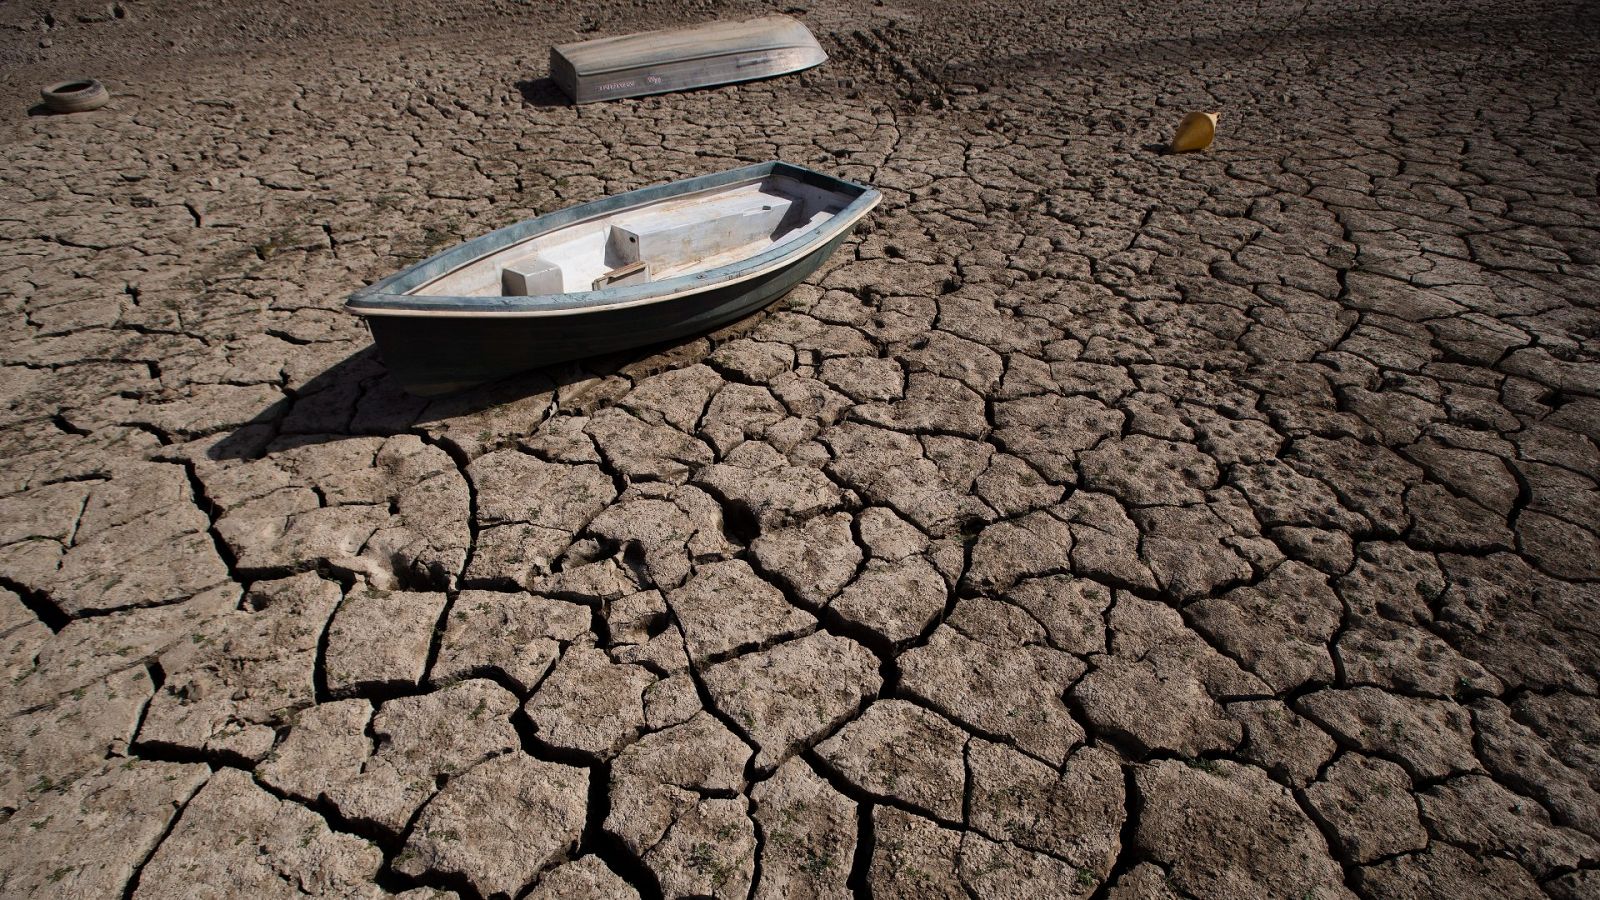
{"x": 77, "y": 95}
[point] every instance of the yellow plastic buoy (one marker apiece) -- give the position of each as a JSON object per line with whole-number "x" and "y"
{"x": 1195, "y": 132}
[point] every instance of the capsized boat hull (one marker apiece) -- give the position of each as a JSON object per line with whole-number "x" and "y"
{"x": 430, "y": 358}
{"x": 655, "y": 62}
{"x": 698, "y": 254}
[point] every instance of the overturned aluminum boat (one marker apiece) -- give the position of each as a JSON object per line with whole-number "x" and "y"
{"x": 639, "y": 268}
{"x": 654, "y": 62}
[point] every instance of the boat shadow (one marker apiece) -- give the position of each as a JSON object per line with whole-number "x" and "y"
{"x": 543, "y": 93}
{"x": 357, "y": 398}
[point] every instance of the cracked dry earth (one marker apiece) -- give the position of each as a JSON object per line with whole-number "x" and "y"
{"x": 1096, "y": 523}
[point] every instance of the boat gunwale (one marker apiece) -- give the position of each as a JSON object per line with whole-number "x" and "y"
{"x": 635, "y": 67}
{"x": 635, "y": 71}
{"x": 388, "y": 296}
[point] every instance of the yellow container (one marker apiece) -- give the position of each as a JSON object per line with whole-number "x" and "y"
{"x": 1195, "y": 132}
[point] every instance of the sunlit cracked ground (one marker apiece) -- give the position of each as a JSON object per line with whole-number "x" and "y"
{"x": 1096, "y": 523}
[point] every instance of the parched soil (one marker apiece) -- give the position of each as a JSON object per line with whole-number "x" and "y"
{"x": 1096, "y": 523}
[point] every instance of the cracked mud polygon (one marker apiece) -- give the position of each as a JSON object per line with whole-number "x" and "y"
{"x": 1096, "y": 523}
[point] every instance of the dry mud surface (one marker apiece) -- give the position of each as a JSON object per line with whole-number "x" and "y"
{"x": 1097, "y": 523}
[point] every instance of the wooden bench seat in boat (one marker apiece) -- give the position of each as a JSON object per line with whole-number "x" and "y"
{"x": 655, "y": 243}
{"x": 531, "y": 276}
{"x": 673, "y": 238}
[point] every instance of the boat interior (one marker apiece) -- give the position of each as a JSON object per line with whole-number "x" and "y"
{"x": 675, "y": 236}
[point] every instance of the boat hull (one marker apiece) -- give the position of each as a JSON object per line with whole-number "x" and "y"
{"x": 656, "y": 62}
{"x": 431, "y": 356}
{"x": 439, "y": 336}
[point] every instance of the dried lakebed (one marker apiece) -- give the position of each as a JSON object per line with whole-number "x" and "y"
{"x": 1095, "y": 523}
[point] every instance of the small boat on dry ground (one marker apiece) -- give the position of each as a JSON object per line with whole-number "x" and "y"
{"x": 654, "y": 62}
{"x": 638, "y": 268}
